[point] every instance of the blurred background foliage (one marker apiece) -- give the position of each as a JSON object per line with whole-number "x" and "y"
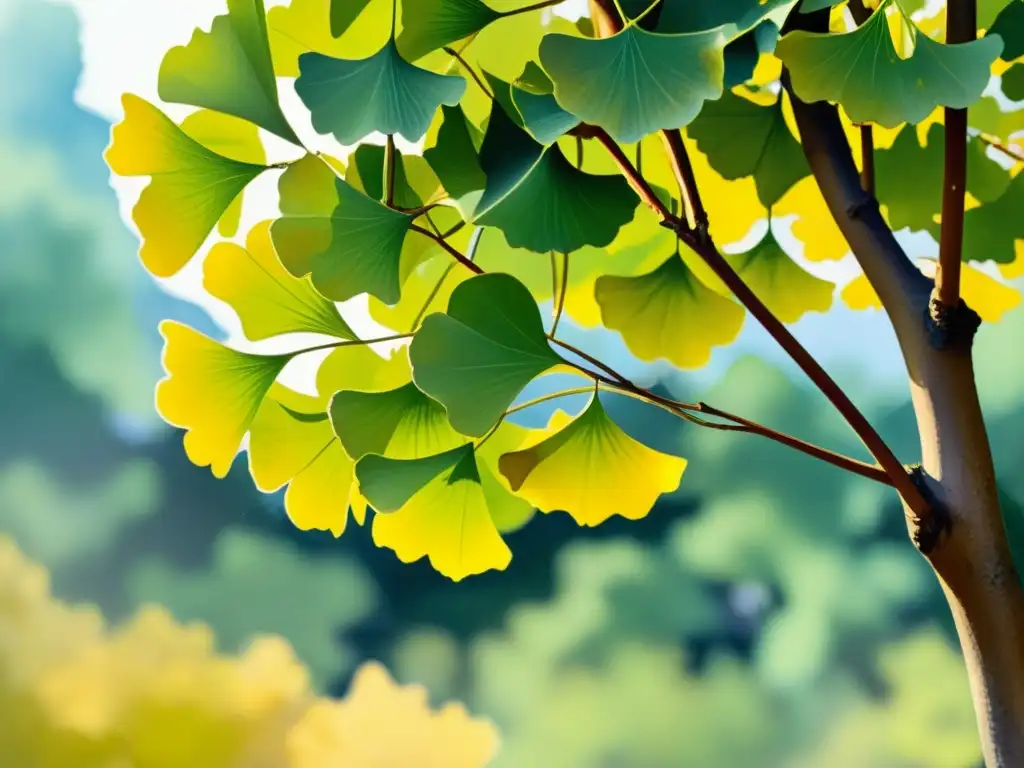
{"x": 770, "y": 613}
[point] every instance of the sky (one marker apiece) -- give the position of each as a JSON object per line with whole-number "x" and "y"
{"x": 123, "y": 43}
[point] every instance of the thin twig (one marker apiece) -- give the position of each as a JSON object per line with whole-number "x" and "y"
{"x": 996, "y": 144}
{"x": 389, "y": 171}
{"x": 616, "y": 376}
{"x": 454, "y": 252}
{"x": 682, "y": 168}
{"x": 632, "y": 175}
{"x": 867, "y": 158}
{"x": 349, "y": 343}
{"x": 535, "y": 7}
{"x": 472, "y": 73}
{"x": 560, "y": 300}
{"x": 430, "y": 298}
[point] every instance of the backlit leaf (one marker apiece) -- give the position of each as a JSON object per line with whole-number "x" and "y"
{"x": 862, "y": 71}
{"x": 542, "y": 116}
{"x": 741, "y": 138}
{"x": 635, "y": 82}
{"x": 305, "y": 26}
{"x": 477, "y": 358}
{"x": 191, "y": 186}
{"x": 228, "y": 69}
{"x": 454, "y": 158}
{"x": 344, "y": 13}
{"x": 991, "y": 230}
{"x": 1009, "y": 25}
{"x": 591, "y": 469}
{"x": 668, "y": 313}
{"x": 233, "y": 138}
{"x": 213, "y": 392}
{"x": 394, "y": 96}
{"x": 357, "y": 249}
{"x": 540, "y": 200}
{"x": 814, "y": 227}
{"x": 269, "y": 301}
{"x": 434, "y": 507}
{"x": 430, "y": 24}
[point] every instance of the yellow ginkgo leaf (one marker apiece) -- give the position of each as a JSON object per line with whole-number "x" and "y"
{"x": 1015, "y": 268}
{"x": 191, "y": 186}
{"x": 380, "y": 723}
{"x": 668, "y": 313}
{"x": 814, "y": 226}
{"x": 235, "y": 139}
{"x": 269, "y": 300}
{"x": 212, "y": 391}
{"x": 304, "y": 26}
{"x": 434, "y": 507}
{"x": 591, "y": 469}
{"x": 293, "y": 442}
{"x": 858, "y": 294}
{"x": 509, "y": 512}
{"x": 987, "y": 296}
{"x": 788, "y": 290}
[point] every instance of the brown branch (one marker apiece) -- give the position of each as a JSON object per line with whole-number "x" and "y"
{"x": 472, "y": 72}
{"x": 679, "y": 159}
{"x": 459, "y": 257}
{"x": 535, "y": 7}
{"x": 867, "y": 159}
{"x": 389, "y": 171}
{"x": 632, "y": 175}
{"x": 961, "y": 27}
{"x": 990, "y": 141}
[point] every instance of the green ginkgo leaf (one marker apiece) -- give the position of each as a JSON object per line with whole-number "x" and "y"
{"x": 862, "y": 71}
{"x": 233, "y": 138}
{"x": 788, "y": 290}
{"x": 434, "y": 507}
{"x": 477, "y": 358}
{"x": 668, "y": 313}
{"x": 431, "y": 24}
{"x": 635, "y": 82}
{"x": 542, "y": 116}
{"x": 190, "y": 190}
{"x": 365, "y": 172}
{"x": 991, "y": 230}
{"x": 393, "y": 96}
{"x": 1009, "y": 26}
{"x": 269, "y": 301}
{"x": 741, "y": 138}
{"x": 357, "y": 249}
{"x": 591, "y": 469}
{"x": 228, "y": 69}
{"x": 455, "y": 159}
{"x": 735, "y": 17}
{"x": 540, "y": 200}
{"x": 401, "y": 423}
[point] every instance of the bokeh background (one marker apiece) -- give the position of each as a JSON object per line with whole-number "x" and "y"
{"x": 769, "y": 613}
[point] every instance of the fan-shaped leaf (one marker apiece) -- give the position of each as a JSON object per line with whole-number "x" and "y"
{"x": 1009, "y": 25}
{"x": 636, "y": 82}
{"x": 269, "y": 301}
{"x": 741, "y": 138}
{"x": 394, "y": 96}
{"x": 344, "y": 13}
{"x": 228, "y": 69}
{"x": 213, "y": 392}
{"x": 591, "y": 469}
{"x": 434, "y": 507}
{"x": 862, "y": 71}
{"x": 191, "y": 186}
{"x": 477, "y": 358}
{"x": 303, "y": 26}
{"x": 668, "y": 313}
{"x": 357, "y": 249}
{"x": 430, "y": 24}
{"x": 540, "y": 201}
{"x": 454, "y": 158}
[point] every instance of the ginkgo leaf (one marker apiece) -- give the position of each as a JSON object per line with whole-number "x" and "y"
{"x": 454, "y": 158}
{"x": 213, "y": 392}
{"x": 1009, "y": 26}
{"x": 308, "y": 187}
{"x": 1013, "y": 82}
{"x": 233, "y": 138}
{"x": 191, "y": 186}
{"x": 357, "y": 249}
{"x": 292, "y": 443}
{"x": 909, "y": 177}
{"x": 991, "y": 230}
{"x": 228, "y": 69}
{"x": 862, "y": 71}
{"x": 434, "y": 507}
{"x": 430, "y": 24}
{"x": 787, "y": 289}
{"x": 741, "y": 138}
{"x": 269, "y": 301}
{"x": 635, "y": 82}
{"x": 401, "y": 423}
{"x": 814, "y": 226}
{"x": 394, "y": 96}
{"x": 540, "y": 200}
{"x": 365, "y": 172}
{"x": 668, "y": 313}
{"x": 477, "y": 358}
{"x": 542, "y": 116}
{"x": 736, "y": 16}
{"x": 591, "y": 469}
{"x": 303, "y": 26}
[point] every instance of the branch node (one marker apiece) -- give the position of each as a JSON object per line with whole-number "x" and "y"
{"x": 862, "y": 204}
{"x": 951, "y": 328}
{"x": 928, "y": 531}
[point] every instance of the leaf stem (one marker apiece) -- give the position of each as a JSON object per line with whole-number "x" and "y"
{"x": 636, "y": 181}
{"x": 350, "y": 343}
{"x": 535, "y": 7}
{"x": 560, "y": 300}
{"x": 616, "y": 376}
{"x": 996, "y": 144}
{"x": 389, "y": 172}
{"x": 430, "y": 298}
{"x": 472, "y": 72}
{"x": 454, "y": 252}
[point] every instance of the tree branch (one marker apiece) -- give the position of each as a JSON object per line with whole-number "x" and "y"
{"x": 679, "y": 158}
{"x": 389, "y": 172}
{"x": 632, "y": 175}
{"x": 454, "y": 252}
{"x": 867, "y": 159}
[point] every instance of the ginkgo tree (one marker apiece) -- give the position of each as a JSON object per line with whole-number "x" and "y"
{"x": 600, "y": 167}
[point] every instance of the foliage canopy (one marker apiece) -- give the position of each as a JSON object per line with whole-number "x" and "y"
{"x": 547, "y": 172}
